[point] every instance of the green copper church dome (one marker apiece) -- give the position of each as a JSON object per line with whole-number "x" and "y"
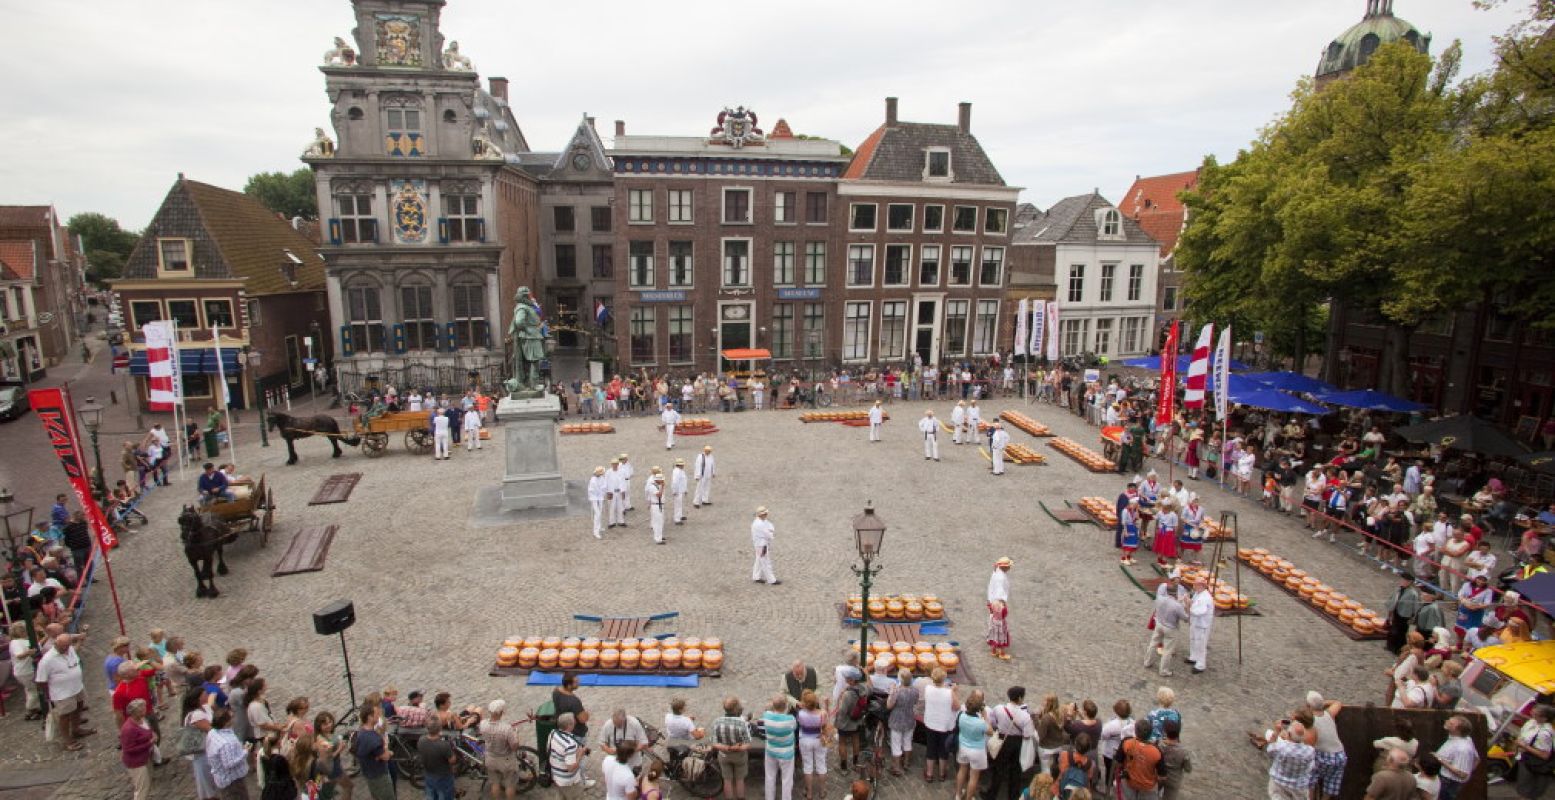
{"x": 1379, "y": 27}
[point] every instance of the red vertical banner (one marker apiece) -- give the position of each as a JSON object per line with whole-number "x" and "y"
{"x": 1166, "y": 396}
{"x": 58, "y": 415}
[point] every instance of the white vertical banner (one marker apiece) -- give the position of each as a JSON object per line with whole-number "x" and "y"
{"x": 1021, "y": 341}
{"x": 180, "y": 411}
{"x": 226, "y": 397}
{"x": 1052, "y": 331}
{"x": 1038, "y": 323}
{"x": 1222, "y": 367}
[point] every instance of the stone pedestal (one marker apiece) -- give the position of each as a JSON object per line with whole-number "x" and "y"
{"x": 533, "y": 477}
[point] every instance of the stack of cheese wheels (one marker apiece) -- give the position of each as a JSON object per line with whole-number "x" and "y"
{"x": 549, "y": 657}
{"x": 568, "y": 659}
{"x": 669, "y": 657}
{"x": 609, "y": 658}
{"x": 588, "y": 659}
{"x": 528, "y": 657}
{"x": 691, "y": 658}
{"x": 895, "y": 609}
{"x": 507, "y": 656}
{"x": 712, "y": 659}
{"x": 630, "y": 659}
{"x": 651, "y": 658}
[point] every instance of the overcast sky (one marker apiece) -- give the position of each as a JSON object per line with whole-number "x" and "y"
{"x": 103, "y": 102}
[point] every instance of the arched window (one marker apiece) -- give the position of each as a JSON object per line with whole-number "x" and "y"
{"x": 418, "y": 315}
{"x": 468, "y": 294}
{"x": 1369, "y": 44}
{"x": 354, "y": 114}
{"x": 364, "y": 316}
{"x": 450, "y": 116}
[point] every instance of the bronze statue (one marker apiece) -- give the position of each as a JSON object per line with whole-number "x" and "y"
{"x": 528, "y": 347}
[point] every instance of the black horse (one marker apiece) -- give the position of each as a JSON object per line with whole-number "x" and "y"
{"x": 298, "y": 427}
{"x": 203, "y": 536}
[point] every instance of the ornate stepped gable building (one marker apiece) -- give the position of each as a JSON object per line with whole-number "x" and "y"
{"x": 924, "y": 217}
{"x": 729, "y": 241}
{"x": 429, "y": 211}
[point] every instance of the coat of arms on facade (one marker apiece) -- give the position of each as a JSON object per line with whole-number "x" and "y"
{"x": 399, "y": 40}
{"x": 409, "y": 208}
{"x": 737, "y": 128}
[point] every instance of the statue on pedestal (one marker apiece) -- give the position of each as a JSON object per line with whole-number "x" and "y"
{"x": 529, "y": 342}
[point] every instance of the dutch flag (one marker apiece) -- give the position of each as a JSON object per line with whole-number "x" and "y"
{"x": 601, "y": 313}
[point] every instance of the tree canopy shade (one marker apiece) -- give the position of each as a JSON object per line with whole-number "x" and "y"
{"x": 1394, "y": 194}
{"x": 293, "y": 195}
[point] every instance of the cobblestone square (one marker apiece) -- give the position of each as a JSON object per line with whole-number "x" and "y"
{"x": 436, "y": 595}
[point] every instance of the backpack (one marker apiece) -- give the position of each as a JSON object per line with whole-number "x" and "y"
{"x": 1074, "y": 772}
{"x": 860, "y": 704}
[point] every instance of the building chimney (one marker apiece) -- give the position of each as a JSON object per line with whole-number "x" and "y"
{"x": 620, "y": 127}
{"x": 499, "y": 88}
{"x": 964, "y": 120}
{"x": 590, "y": 121}
{"x": 890, "y": 111}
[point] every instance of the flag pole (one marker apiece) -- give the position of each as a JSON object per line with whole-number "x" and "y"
{"x": 178, "y": 399}
{"x": 226, "y": 402}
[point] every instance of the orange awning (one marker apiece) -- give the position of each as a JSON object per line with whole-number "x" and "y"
{"x": 747, "y": 354}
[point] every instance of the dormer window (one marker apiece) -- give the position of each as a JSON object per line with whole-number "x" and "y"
{"x": 173, "y": 256}
{"x": 1109, "y": 224}
{"x": 936, "y": 164}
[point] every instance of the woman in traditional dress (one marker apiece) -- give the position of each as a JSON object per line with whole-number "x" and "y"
{"x": 1166, "y": 523}
{"x": 1128, "y": 522}
{"x": 1191, "y": 539}
{"x": 999, "y": 629}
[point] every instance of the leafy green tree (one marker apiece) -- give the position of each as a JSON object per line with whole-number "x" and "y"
{"x": 107, "y": 245}
{"x": 293, "y": 195}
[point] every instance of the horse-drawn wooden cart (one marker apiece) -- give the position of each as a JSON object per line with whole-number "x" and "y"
{"x": 251, "y": 503}
{"x": 375, "y": 433}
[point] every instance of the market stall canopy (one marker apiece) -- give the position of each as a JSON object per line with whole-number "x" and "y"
{"x": 1464, "y": 432}
{"x": 1539, "y": 590}
{"x": 1154, "y": 363}
{"x": 1292, "y": 382}
{"x": 1372, "y": 400}
{"x": 1270, "y": 399}
{"x": 747, "y": 354}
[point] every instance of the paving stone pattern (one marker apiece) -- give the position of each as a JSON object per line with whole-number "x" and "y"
{"x": 435, "y": 596}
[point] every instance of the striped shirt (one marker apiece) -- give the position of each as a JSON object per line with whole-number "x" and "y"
{"x": 730, "y": 731}
{"x": 780, "y": 735}
{"x": 564, "y": 749}
{"x": 1458, "y": 752}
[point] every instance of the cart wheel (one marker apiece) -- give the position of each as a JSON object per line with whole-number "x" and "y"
{"x": 373, "y": 444}
{"x": 418, "y": 441}
{"x": 267, "y": 522}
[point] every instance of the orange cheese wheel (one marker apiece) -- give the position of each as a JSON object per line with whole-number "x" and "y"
{"x": 901, "y": 647}
{"x": 650, "y": 658}
{"x": 933, "y": 610}
{"x": 888, "y": 659}
{"x": 629, "y": 644}
{"x": 923, "y": 647}
{"x": 571, "y": 642}
{"x": 513, "y": 641}
{"x": 588, "y": 659}
{"x": 907, "y": 661}
{"x": 711, "y": 643}
{"x": 609, "y": 658}
{"x": 528, "y": 656}
{"x": 533, "y": 641}
{"x": 631, "y": 658}
{"x": 691, "y": 658}
{"x": 691, "y": 643}
{"x": 948, "y": 661}
{"x": 895, "y": 609}
{"x": 551, "y": 643}
{"x": 915, "y": 610}
{"x": 712, "y": 659}
{"x": 876, "y": 608}
{"x": 944, "y": 647}
{"x": 670, "y": 658}
{"x": 507, "y": 656}
{"x": 879, "y": 647}
{"x": 589, "y": 643}
{"x": 670, "y": 641}
{"x": 548, "y": 658}
{"x": 568, "y": 658}
{"x": 609, "y": 644}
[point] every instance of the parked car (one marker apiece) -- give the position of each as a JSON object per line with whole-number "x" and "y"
{"x": 13, "y": 399}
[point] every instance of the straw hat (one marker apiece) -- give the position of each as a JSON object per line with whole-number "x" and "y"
{"x": 1004, "y": 562}
{"x": 761, "y": 511}
{"x": 680, "y": 462}
{"x": 599, "y": 470}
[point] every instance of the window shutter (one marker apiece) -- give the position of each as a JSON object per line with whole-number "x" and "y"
{"x": 334, "y": 230}
{"x": 442, "y": 230}
{"x": 486, "y": 333}
{"x": 399, "y": 337}
{"x": 453, "y": 340}
{"x": 345, "y": 341}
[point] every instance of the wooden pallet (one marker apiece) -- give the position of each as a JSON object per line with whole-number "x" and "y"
{"x": 1067, "y": 515}
{"x": 624, "y": 627}
{"x": 335, "y": 489}
{"x": 842, "y": 616}
{"x": 1108, "y": 521}
{"x": 306, "y": 553}
{"x": 497, "y": 671}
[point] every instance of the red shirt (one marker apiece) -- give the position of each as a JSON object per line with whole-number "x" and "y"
{"x": 137, "y": 689}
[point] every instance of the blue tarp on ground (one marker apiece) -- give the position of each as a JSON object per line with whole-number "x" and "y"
{"x": 1371, "y": 399}
{"x": 537, "y": 678}
{"x": 1154, "y": 363}
{"x": 1292, "y": 382}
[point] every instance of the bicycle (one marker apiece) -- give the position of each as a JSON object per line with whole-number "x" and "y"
{"x": 470, "y": 751}
{"x": 693, "y": 766}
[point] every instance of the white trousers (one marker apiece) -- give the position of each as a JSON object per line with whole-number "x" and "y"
{"x": 599, "y": 515}
{"x": 440, "y": 445}
{"x": 931, "y": 447}
{"x": 617, "y": 509}
{"x": 704, "y": 491}
{"x": 680, "y": 506}
{"x": 656, "y": 520}
{"x": 669, "y": 436}
{"x": 998, "y": 460}
{"x": 1166, "y": 640}
{"x": 774, "y": 768}
{"x": 472, "y": 439}
{"x": 760, "y": 398}
{"x": 762, "y": 569}
{"x": 874, "y": 431}
{"x": 1198, "y": 645}
{"x": 955, "y": 434}
{"x": 626, "y": 498}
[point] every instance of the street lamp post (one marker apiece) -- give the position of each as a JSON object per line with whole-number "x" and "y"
{"x": 92, "y": 417}
{"x": 11, "y": 514}
{"x": 868, "y": 536}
